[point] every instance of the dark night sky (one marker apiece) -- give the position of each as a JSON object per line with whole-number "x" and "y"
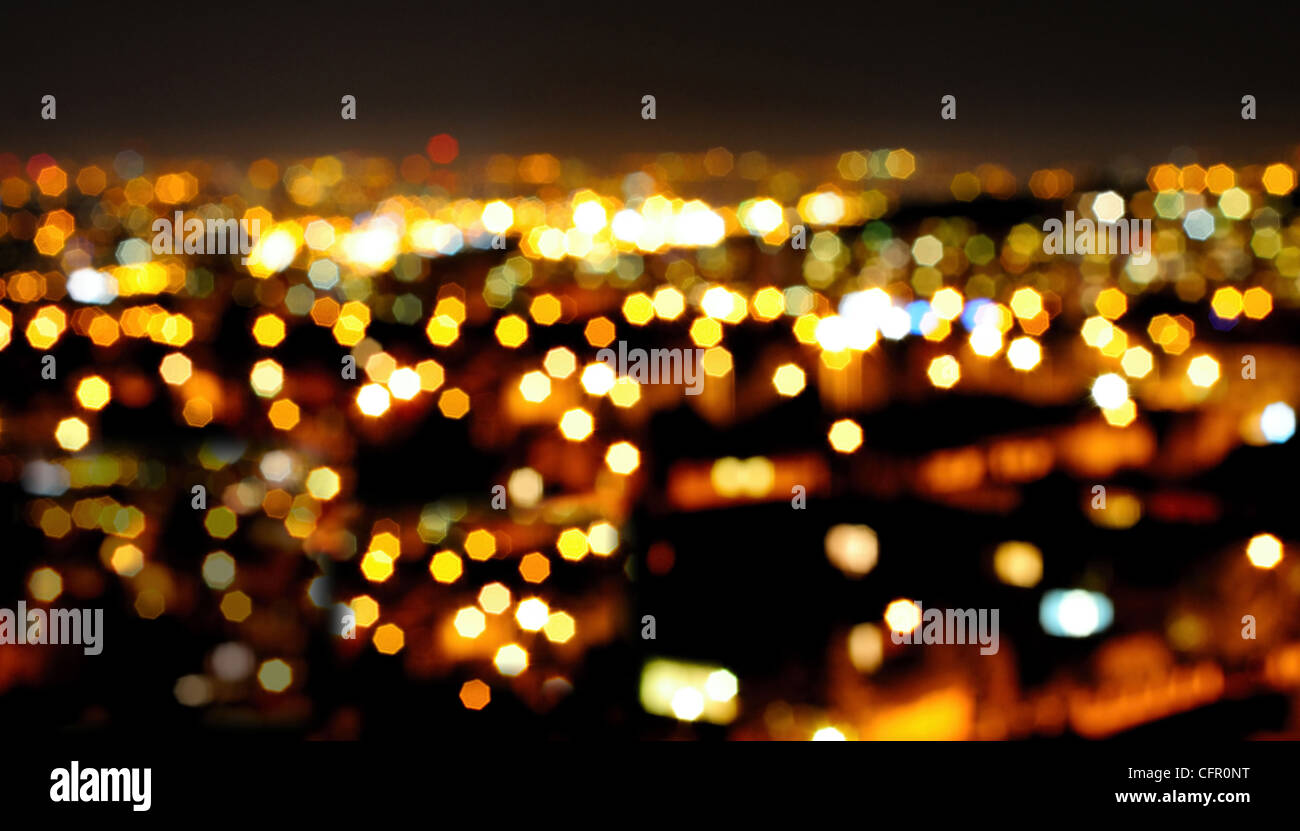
{"x": 1036, "y": 83}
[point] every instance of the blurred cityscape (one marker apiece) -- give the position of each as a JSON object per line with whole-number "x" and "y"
{"x": 375, "y": 480}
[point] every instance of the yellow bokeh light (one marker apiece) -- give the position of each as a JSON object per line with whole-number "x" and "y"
{"x": 902, "y": 616}
{"x": 532, "y": 614}
{"x": 404, "y": 383}
{"x": 789, "y": 380}
{"x": 560, "y": 627}
{"x": 268, "y": 330}
{"x": 577, "y": 424}
{"x": 387, "y": 543}
{"x": 717, "y": 302}
{"x": 1227, "y": 303}
{"x": 94, "y": 393}
{"x": 947, "y": 303}
{"x": 446, "y": 567}
{"x": 545, "y": 309}
{"x": 986, "y": 341}
{"x": 805, "y": 328}
{"x": 560, "y": 362}
{"x": 72, "y": 433}
{"x": 127, "y": 560}
{"x": 1018, "y": 564}
{"x": 451, "y": 307}
{"x": 442, "y": 330}
{"x": 365, "y": 610}
{"x": 669, "y": 303}
{"x": 597, "y": 379}
{"x": 46, "y": 327}
{"x": 480, "y": 544}
{"x": 266, "y": 378}
{"x": 1279, "y": 179}
{"x": 494, "y": 598}
{"x": 1235, "y": 203}
{"x": 845, "y": 435}
{"x": 1122, "y": 415}
{"x": 589, "y": 216}
{"x": 706, "y": 332}
{"x": 768, "y": 303}
{"x": 470, "y": 622}
{"x": 319, "y": 235}
{"x": 431, "y": 375}
{"x": 1025, "y": 303}
{"x": 625, "y": 392}
{"x": 323, "y": 483}
{"x": 944, "y": 371}
{"x": 219, "y": 570}
{"x": 377, "y": 566}
{"x": 1111, "y": 303}
{"x": 572, "y": 544}
{"x": 373, "y": 400}
{"x": 716, "y": 362}
{"x": 535, "y": 386}
{"x": 638, "y": 309}
{"x": 1109, "y": 391}
{"x": 901, "y": 163}
{"x": 511, "y": 331}
{"x": 511, "y": 659}
{"x": 1024, "y": 353}
{"x": 380, "y": 367}
{"x": 1137, "y": 362}
{"x": 1203, "y": 371}
{"x": 350, "y": 327}
{"x": 764, "y": 216}
{"x": 602, "y": 538}
{"x": 623, "y": 458}
{"x": 1097, "y": 331}
{"x": 498, "y": 217}
{"x": 175, "y": 369}
{"x": 1264, "y": 551}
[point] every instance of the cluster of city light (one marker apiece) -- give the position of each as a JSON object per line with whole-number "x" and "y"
{"x": 689, "y": 692}
{"x": 857, "y": 293}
